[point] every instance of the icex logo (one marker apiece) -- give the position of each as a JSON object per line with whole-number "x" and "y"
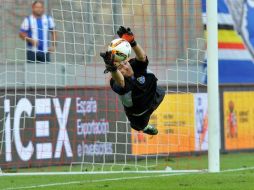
{"x": 141, "y": 80}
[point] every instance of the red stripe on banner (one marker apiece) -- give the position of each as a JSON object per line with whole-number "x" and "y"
{"x": 231, "y": 45}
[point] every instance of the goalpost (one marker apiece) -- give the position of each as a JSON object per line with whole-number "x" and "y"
{"x": 62, "y": 118}
{"x": 213, "y": 86}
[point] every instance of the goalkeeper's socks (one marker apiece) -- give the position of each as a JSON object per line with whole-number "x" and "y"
{"x": 150, "y": 130}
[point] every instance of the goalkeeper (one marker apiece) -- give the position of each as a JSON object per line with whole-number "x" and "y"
{"x": 135, "y": 85}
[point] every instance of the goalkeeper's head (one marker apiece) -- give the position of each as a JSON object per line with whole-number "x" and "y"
{"x": 126, "y": 69}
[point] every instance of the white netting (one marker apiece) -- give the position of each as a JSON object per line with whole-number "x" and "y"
{"x": 62, "y": 116}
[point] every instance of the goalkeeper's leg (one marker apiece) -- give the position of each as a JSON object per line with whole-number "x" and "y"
{"x": 141, "y": 123}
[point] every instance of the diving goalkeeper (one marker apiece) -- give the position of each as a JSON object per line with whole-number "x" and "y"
{"x": 135, "y": 84}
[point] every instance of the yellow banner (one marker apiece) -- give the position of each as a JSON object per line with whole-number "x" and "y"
{"x": 175, "y": 122}
{"x": 239, "y": 120}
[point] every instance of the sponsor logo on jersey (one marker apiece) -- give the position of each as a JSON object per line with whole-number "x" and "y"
{"x": 141, "y": 80}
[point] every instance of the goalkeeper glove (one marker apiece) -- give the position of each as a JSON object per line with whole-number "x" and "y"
{"x": 127, "y": 34}
{"x": 108, "y": 58}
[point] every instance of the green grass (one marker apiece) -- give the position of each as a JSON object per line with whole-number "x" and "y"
{"x": 225, "y": 180}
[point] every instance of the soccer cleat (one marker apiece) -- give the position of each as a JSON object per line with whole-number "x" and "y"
{"x": 150, "y": 130}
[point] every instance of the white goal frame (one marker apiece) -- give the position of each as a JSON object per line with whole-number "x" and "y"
{"x": 213, "y": 87}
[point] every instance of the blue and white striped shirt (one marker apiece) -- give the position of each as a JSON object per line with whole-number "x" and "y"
{"x": 38, "y": 29}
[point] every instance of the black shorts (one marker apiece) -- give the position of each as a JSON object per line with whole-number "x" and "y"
{"x": 38, "y": 57}
{"x": 140, "y": 122}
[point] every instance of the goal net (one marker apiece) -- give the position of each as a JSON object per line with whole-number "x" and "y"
{"x": 63, "y": 117}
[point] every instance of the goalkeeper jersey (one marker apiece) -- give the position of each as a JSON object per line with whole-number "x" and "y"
{"x": 140, "y": 93}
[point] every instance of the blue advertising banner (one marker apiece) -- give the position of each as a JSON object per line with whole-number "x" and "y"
{"x": 236, "y": 40}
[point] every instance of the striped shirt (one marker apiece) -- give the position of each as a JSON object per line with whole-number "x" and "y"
{"x": 38, "y": 29}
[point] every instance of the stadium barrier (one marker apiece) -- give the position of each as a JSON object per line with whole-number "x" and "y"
{"x": 70, "y": 126}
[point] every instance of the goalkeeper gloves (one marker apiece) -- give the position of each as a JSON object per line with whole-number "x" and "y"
{"x": 127, "y": 34}
{"x": 108, "y": 58}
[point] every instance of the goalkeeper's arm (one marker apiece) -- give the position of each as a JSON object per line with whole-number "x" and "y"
{"x": 127, "y": 34}
{"x": 118, "y": 78}
{"x": 112, "y": 68}
{"x": 140, "y": 53}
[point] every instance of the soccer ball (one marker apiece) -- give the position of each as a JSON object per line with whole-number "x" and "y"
{"x": 121, "y": 49}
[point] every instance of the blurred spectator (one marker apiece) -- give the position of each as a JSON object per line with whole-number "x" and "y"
{"x": 38, "y": 30}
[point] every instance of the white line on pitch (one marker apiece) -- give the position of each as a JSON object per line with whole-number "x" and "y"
{"x": 92, "y": 181}
{"x": 117, "y": 179}
{"x": 238, "y": 169}
{"x": 100, "y": 172}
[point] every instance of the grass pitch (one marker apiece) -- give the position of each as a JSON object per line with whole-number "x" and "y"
{"x": 229, "y": 179}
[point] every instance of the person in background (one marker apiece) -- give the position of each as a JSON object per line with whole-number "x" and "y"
{"x": 232, "y": 121}
{"x": 38, "y": 30}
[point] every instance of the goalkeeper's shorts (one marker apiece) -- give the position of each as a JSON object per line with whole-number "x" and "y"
{"x": 140, "y": 121}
